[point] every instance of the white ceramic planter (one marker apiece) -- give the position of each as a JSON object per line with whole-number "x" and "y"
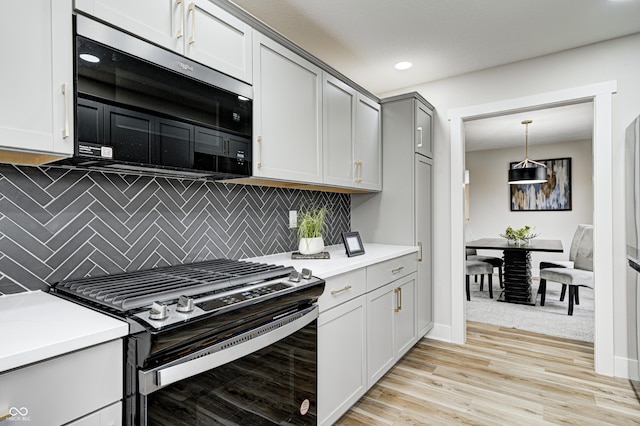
{"x": 311, "y": 245}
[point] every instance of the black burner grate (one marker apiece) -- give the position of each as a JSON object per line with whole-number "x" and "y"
{"x": 132, "y": 290}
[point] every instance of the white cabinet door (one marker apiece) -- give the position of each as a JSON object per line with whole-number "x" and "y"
{"x": 197, "y": 29}
{"x": 218, "y": 39}
{"x": 36, "y": 79}
{"x": 423, "y": 135}
{"x": 342, "y": 377}
{"x": 391, "y": 325}
{"x": 404, "y": 320}
{"x": 287, "y": 114}
{"x": 161, "y": 22}
{"x": 339, "y": 118}
{"x": 368, "y": 150}
{"x": 380, "y": 332}
{"x": 423, "y": 191}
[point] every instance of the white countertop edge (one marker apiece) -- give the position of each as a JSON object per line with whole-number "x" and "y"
{"x": 63, "y": 327}
{"x": 339, "y": 263}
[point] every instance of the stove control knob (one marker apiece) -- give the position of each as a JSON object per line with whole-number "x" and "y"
{"x": 294, "y": 277}
{"x": 185, "y": 304}
{"x": 306, "y": 273}
{"x": 158, "y": 311}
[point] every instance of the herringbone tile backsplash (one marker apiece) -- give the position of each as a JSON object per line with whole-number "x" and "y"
{"x": 59, "y": 223}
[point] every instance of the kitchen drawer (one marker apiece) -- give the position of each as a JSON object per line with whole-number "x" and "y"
{"x": 391, "y": 270}
{"x": 65, "y": 388}
{"x": 341, "y": 288}
{"x": 108, "y": 416}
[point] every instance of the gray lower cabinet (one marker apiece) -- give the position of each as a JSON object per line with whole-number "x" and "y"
{"x": 367, "y": 322}
{"x": 83, "y": 386}
{"x": 402, "y": 212}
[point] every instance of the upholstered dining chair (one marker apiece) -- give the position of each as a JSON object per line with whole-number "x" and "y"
{"x": 472, "y": 254}
{"x": 581, "y": 275}
{"x": 566, "y": 263}
{"x": 495, "y": 262}
{"x": 475, "y": 267}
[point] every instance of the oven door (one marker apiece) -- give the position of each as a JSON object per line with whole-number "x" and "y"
{"x": 264, "y": 376}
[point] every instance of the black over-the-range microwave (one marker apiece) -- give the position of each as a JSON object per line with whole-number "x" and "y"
{"x": 141, "y": 108}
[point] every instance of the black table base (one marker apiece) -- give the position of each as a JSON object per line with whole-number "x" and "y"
{"x": 517, "y": 278}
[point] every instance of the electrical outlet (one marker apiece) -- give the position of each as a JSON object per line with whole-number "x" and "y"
{"x": 293, "y": 218}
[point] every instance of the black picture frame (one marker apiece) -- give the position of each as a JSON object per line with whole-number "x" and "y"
{"x": 352, "y": 243}
{"x": 553, "y": 195}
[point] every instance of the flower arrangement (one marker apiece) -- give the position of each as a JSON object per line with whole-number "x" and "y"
{"x": 519, "y": 236}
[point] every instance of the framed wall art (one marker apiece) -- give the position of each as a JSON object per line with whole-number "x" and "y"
{"x": 553, "y": 195}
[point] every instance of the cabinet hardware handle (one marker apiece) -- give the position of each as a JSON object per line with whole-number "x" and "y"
{"x": 65, "y": 93}
{"x": 358, "y": 171}
{"x": 397, "y": 308}
{"x": 420, "y": 143}
{"x": 420, "y": 256}
{"x": 400, "y": 294}
{"x": 192, "y": 9}
{"x": 259, "y": 163}
{"x": 345, "y": 288}
{"x": 225, "y": 146}
{"x": 180, "y": 32}
{"x": 398, "y": 269}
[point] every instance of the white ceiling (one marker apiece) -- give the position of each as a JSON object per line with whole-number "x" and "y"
{"x": 363, "y": 39}
{"x": 552, "y": 125}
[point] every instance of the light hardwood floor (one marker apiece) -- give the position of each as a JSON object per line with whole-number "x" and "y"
{"x": 501, "y": 376}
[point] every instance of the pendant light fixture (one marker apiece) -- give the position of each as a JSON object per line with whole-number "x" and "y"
{"x": 527, "y": 171}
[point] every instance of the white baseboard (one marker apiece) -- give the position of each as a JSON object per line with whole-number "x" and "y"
{"x": 440, "y": 332}
{"x": 626, "y": 368}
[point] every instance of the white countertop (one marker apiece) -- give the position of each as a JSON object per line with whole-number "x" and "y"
{"x": 35, "y": 326}
{"x": 339, "y": 263}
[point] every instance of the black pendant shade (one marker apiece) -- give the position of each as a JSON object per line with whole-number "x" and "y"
{"x": 528, "y": 175}
{"x": 527, "y": 171}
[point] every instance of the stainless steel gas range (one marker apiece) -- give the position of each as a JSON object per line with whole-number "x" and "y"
{"x": 214, "y": 342}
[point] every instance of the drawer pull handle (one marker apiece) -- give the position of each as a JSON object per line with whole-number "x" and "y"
{"x": 420, "y": 245}
{"x": 398, "y": 269}
{"x": 345, "y": 288}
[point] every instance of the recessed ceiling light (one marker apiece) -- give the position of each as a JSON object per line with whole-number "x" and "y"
{"x": 403, "y": 65}
{"x": 89, "y": 58}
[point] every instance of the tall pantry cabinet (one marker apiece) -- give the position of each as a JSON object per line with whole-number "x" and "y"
{"x": 402, "y": 212}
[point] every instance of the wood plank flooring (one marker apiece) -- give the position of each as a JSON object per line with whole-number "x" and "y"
{"x": 501, "y": 376}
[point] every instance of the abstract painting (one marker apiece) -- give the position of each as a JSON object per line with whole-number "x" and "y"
{"x": 553, "y": 195}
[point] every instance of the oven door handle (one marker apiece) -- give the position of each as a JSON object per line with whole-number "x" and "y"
{"x": 152, "y": 380}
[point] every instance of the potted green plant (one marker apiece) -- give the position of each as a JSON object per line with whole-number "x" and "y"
{"x": 519, "y": 236}
{"x": 310, "y": 226}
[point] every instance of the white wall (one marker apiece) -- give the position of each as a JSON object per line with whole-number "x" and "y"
{"x": 613, "y": 60}
{"x": 490, "y": 211}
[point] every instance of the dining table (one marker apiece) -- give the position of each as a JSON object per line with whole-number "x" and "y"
{"x": 517, "y": 265}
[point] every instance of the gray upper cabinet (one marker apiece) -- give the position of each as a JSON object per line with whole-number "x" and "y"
{"x": 424, "y": 134}
{"x": 287, "y": 114}
{"x": 368, "y": 147}
{"x": 351, "y": 137}
{"x": 36, "y": 116}
{"x": 197, "y": 29}
{"x": 339, "y": 133}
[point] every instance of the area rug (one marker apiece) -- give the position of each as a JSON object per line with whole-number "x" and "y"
{"x": 550, "y": 319}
